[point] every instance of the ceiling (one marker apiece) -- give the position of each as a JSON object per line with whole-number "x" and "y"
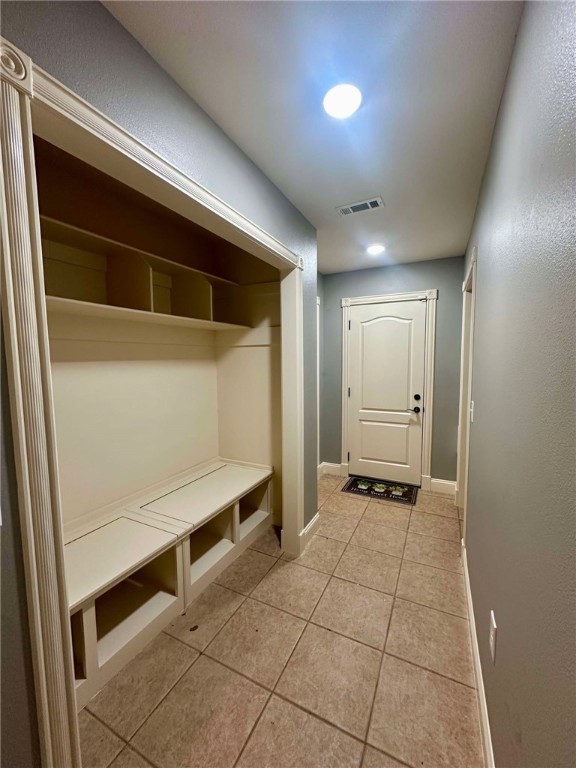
{"x": 431, "y": 74}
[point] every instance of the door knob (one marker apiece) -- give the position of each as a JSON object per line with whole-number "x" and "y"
{"x": 414, "y": 410}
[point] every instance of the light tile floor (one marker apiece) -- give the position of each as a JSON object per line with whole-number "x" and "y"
{"x": 355, "y": 654}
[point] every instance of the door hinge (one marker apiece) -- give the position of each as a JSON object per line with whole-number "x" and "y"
{"x": 349, "y": 324}
{"x": 348, "y": 391}
{"x": 348, "y": 455}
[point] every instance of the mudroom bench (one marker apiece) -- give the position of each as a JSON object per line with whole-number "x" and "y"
{"x": 133, "y": 568}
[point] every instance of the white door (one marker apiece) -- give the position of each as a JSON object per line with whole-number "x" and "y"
{"x": 386, "y": 349}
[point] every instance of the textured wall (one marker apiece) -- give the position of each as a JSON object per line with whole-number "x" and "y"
{"x": 85, "y": 48}
{"x": 521, "y": 514}
{"x": 447, "y": 276}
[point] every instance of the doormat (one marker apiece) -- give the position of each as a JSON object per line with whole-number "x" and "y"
{"x": 382, "y": 489}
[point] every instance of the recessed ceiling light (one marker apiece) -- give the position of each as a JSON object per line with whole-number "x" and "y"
{"x": 375, "y": 250}
{"x": 342, "y": 100}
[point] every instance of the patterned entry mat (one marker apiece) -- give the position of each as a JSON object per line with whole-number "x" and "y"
{"x": 382, "y": 489}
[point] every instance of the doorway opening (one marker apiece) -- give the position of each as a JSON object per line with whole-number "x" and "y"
{"x": 466, "y": 413}
{"x": 388, "y": 386}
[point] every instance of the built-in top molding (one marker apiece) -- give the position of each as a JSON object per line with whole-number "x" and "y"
{"x": 15, "y": 67}
{"x": 56, "y": 97}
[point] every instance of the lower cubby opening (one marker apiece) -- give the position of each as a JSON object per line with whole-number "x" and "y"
{"x": 210, "y": 543}
{"x": 128, "y": 608}
{"x": 254, "y": 507}
{"x": 78, "y": 646}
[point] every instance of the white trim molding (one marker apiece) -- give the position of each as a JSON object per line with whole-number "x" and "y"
{"x": 430, "y": 296}
{"x": 441, "y": 487}
{"x": 24, "y": 327}
{"x": 391, "y": 297}
{"x": 326, "y": 468}
{"x": 482, "y": 705}
{"x": 309, "y": 531}
{"x": 466, "y": 365}
{"x": 51, "y": 98}
{"x": 291, "y": 287}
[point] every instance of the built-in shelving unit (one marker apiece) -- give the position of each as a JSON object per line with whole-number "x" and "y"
{"x": 144, "y": 409}
{"x": 131, "y": 573}
{"x": 87, "y": 274}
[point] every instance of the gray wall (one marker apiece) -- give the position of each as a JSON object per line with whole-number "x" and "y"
{"x": 20, "y": 747}
{"x": 85, "y": 48}
{"x": 447, "y": 276}
{"x": 521, "y": 515}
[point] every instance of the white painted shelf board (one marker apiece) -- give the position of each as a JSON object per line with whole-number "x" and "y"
{"x": 58, "y": 305}
{"x": 125, "y": 611}
{"x": 251, "y": 520}
{"x": 66, "y": 234}
{"x": 198, "y": 501}
{"x": 100, "y": 558}
{"x": 206, "y": 550}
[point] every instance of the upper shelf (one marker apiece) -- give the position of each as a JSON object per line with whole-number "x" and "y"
{"x": 57, "y": 305}
{"x": 88, "y": 241}
{"x": 90, "y": 275}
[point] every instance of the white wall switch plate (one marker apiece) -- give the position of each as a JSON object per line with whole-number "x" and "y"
{"x": 493, "y": 637}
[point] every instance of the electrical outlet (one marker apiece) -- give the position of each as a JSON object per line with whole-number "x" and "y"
{"x": 472, "y": 411}
{"x": 493, "y": 637}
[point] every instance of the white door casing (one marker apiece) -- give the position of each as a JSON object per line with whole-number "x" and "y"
{"x": 381, "y": 435}
{"x": 467, "y": 349}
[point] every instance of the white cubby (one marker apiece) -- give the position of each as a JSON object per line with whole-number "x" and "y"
{"x": 211, "y": 543}
{"x": 78, "y": 647}
{"x": 253, "y": 509}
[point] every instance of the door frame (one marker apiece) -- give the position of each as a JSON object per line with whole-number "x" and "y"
{"x": 28, "y": 94}
{"x": 430, "y": 296}
{"x": 466, "y": 360}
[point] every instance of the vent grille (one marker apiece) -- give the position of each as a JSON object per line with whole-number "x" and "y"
{"x": 362, "y": 205}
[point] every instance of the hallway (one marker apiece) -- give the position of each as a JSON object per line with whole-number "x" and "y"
{"x": 355, "y": 654}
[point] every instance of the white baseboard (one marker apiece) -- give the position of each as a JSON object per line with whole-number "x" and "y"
{"x": 441, "y": 487}
{"x": 325, "y": 468}
{"x": 309, "y": 531}
{"x": 484, "y": 721}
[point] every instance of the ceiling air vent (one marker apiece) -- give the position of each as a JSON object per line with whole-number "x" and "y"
{"x": 363, "y": 205}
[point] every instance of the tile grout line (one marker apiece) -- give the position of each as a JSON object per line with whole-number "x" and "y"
{"x": 437, "y": 567}
{"x": 161, "y": 700}
{"x": 315, "y": 715}
{"x": 308, "y": 621}
{"x": 427, "y": 669}
{"x": 440, "y": 610}
{"x": 123, "y": 738}
{"x": 371, "y": 714}
{"x": 245, "y": 744}
{"x": 200, "y": 654}
{"x": 296, "y": 644}
{"x": 406, "y": 531}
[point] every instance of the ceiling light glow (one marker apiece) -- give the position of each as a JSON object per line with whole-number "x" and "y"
{"x": 342, "y": 101}
{"x": 375, "y": 250}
